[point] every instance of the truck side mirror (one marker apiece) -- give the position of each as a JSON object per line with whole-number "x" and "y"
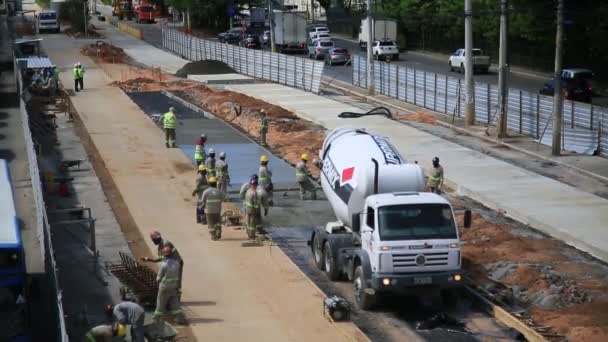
{"x": 356, "y": 222}
{"x": 467, "y": 218}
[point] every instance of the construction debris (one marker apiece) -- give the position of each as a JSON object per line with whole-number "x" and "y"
{"x": 206, "y": 67}
{"x": 102, "y": 51}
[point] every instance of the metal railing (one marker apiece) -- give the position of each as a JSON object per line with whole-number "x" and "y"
{"x": 528, "y": 113}
{"x": 287, "y": 70}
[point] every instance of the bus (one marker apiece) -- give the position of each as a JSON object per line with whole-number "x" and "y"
{"x": 13, "y": 305}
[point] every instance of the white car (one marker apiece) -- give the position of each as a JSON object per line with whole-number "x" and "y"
{"x": 386, "y": 49}
{"x": 480, "y": 62}
{"x": 317, "y": 30}
{"x": 320, "y": 36}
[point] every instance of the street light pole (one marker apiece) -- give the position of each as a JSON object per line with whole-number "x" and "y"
{"x": 556, "y": 141}
{"x": 469, "y": 104}
{"x": 370, "y": 55}
{"x": 84, "y": 12}
{"x": 271, "y": 23}
{"x": 503, "y": 70}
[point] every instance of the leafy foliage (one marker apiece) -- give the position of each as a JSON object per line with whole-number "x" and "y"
{"x": 72, "y": 12}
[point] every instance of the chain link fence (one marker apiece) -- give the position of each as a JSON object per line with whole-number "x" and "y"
{"x": 527, "y": 113}
{"x": 287, "y": 70}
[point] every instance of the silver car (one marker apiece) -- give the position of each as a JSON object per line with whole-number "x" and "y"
{"x": 337, "y": 56}
{"x": 318, "y": 48}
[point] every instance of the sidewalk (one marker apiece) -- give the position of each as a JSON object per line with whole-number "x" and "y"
{"x": 231, "y": 293}
{"x": 564, "y": 212}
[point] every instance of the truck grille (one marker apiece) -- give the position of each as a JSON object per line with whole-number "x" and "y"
{"x": 420, "y": 259}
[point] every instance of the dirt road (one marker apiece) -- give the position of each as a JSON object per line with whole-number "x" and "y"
{"x": 231, "y": 293}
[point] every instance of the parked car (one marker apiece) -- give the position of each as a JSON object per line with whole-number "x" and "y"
{"x": 266, "y": 38}
{"x": 232, "y": 36}
{"x": 337, "y": 56}
{"x": 480, "y": 62}
{"x": 251, "y": 41}
{"x": 320, "y": 36}
{"x": 318, "y": 48}
{"x": 575, "y": 89}
{"x": 317, "y": 30}
{"x": 385, "y": 49}
{"x": 580, "y": 74}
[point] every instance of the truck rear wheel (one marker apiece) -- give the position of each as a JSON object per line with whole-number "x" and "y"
{"x": 364, "y": 300}
{"x": 318, "y": 253}
{"x": 331, "y": 268}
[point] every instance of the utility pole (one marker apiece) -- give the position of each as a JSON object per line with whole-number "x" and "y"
{"x": 312, "y": 11}
{"x": 271, "y": 23}
{"x": 370, "y": 55}
{"x": 503, "y": 69}
{"x": 469, "y": 104}
{"x": 84, "y": 12}
{"x": 556, "y": 143}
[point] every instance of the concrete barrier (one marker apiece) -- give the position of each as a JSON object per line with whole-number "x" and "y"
{"x": 130, "y": 30}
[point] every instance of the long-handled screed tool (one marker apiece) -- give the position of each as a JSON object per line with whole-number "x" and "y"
{"x": 290, "y": 188}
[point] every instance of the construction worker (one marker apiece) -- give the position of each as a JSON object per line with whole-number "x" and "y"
{"x": 56, "y": 76}
{"x": 210, "y": 163}
{"x": 81, "y": 75}
{"x": 168, "y": 295}
{"x": 199, "y": 187}
{"x": 77, "y": 79}
{"x": 246, "y": 186}
{"x": 254, "y": 202}
{"x": 435, "y": 181}
{"x": 222, "y": 175}
{"x": 199, "y": 150}
{"x": 129, "y": 313}
{"x": 105, "y": 333}
{"x": 263, "y": 127}
{"x": 169, "y": 120}
{"x": 265, "y": 179}
{"x": 211, "y": 200}
{"x": 161, "y": 243}
{"x": 303, "y": 177}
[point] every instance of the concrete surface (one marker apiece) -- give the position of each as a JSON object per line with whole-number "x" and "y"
{"x": 219, "y": 77}
{"x": 576, "y": 217}
{"x": 230, "y": 293}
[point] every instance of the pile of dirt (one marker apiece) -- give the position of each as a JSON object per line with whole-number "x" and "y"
{"x": 206, "y": 67}
{"x": 417, "y": 117}
{"x": 104, "y": 52}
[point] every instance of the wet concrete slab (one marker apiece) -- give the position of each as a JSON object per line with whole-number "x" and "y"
{"x": 242, "y": 153}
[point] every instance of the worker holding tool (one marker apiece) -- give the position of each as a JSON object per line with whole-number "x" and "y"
{"x": 263, "y": 127}
{"x": 168, "y": 292}
{"x": 210, "y": 163}
{"x": 105, "y": 333}
{"x": 161, "y": 243}
{"x": 222, "y": 175}
{"x": 436, "y": 177}
{"x": 169, "y": 120}
{"x": 254, "y": 202}
{"x": 303, "y": 177}
{"x": 211, "y": 200}
{"x": 265, "y": 179}
{"x": 129, "y": 313}
{"x": 199, "y": 187}
{"x": 199, "y": 150}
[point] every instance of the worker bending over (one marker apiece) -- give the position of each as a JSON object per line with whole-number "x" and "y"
{"x": 222, "y": 175}
{"x": 303, "y": 177}
{"x": 129, "y": 313}
{"x": 211, "y": 200}
{"x": 254, "y": 202}
{"x": 167, "y": 300}
{"x": 200, "y": 185}
{"x": 435, "y": 177}
{"x": 105, "y": 333}
{"x": 265, "y": 179}
{"x": 199, "y": 150}
{"x": 161, "y": 243}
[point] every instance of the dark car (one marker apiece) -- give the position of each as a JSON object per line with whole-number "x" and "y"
{"x": 575, "y": 89}
{"x": 251, "y": 42}
{"x": 232, "y": 36}
{"x": 337, "y": 56}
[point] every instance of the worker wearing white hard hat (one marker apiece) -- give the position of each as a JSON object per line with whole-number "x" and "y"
{"x": 169, "y": 121}
{"x": 222, "y": 174}
{"x": 210, "y": 163}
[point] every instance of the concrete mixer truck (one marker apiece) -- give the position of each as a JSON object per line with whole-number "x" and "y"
{"x": 389, "y": 237}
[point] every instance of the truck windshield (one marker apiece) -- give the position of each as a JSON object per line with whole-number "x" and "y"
{"x": 48, "y": 16}
{"x": 416, "y": 222}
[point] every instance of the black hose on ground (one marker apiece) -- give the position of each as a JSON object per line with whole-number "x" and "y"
{"x": 376, "y": 111}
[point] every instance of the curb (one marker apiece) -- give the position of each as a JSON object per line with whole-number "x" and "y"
{"x": 465, "y": 131}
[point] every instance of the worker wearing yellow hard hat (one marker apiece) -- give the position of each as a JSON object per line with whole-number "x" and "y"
{"x": 201, "y": 185}
{"x": 265, "y": 179}
{"x": 211, "y": 202}
{"x": 303, "y": 177}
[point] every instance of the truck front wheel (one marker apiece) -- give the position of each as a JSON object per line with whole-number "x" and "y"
{"x": 365, "y": 301}
{"x": 331, "y": 268}
{"x": 318, "y": 253}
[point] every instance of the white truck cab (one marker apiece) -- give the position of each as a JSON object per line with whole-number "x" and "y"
{"x": 47, "y": 20}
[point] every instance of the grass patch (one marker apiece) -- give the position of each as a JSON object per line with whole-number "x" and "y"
{"x": 43, "y": 3}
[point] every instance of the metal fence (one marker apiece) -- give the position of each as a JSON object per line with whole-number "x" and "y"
{"x": 527, "y": 113}
{"x": 288, "y": 70}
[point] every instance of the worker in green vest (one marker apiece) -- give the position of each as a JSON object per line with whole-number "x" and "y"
{"x": 199, "y": 150}
{"x": 435, "y": 177}
{"x": 169, "y": 120}
{"x": 77, "y": 80}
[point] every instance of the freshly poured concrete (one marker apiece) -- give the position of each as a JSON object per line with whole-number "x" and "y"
{"x": 576, "y": 217}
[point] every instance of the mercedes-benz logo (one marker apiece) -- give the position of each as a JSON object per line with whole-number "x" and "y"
{"x": 420, "y": 260}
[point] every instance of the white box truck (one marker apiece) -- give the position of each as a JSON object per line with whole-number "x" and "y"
{"x": 290, "y": 32}
{"x": 384, "y": 29}
{"x": 389, "y": 236}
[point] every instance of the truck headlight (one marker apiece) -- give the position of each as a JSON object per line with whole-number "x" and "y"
{"x": 385, "y": 248}
{"x": 386, "y": 281}
{"x": 457, "y": 277}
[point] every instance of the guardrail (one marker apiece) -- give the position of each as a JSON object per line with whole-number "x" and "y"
{"x": 288, "y": 70}
{"x": 130, "y": 30}
{"x": 527, "y": 113}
